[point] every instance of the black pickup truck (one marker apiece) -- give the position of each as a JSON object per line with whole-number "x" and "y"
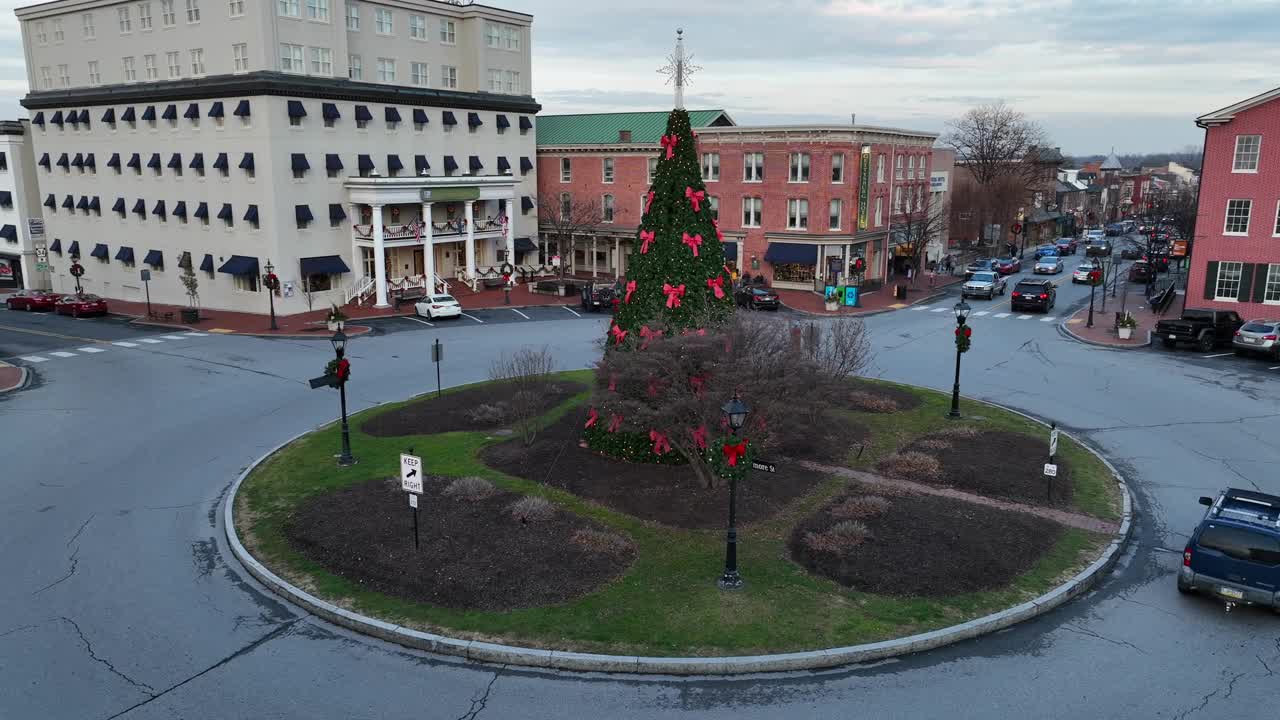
{"x": 1204, "y": 328}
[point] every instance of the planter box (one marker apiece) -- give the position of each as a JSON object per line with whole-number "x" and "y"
{"x": 1125, "y": 333}
{"x": 190, "y": 315}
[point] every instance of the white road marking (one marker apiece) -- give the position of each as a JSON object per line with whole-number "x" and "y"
{"x": 33, "y": 358}
{"x": 424, "y": 322}
{"x": 941, "y": 309}
{"x": 1206, "y": 357}
{"x": 62, "y": 354}
{"x": 1048, "y": 319}
{"x": 90, "y": 350}
{"x": 1274, "y": 368}
{"x": 566, "y": 307}
{"x": 150, "y": 341}
{"x": 122, "y": 343}
{"x": 980, "y": 313}
{"x": 922, "y": 307}
{"x": 172, "y": 337}
{"x": 1003, "y": 315}
{"x": 473, "y": 317}
{"x": 526, "y": 317}
{"x": 1024, "y": 317}
{"x": 195, "y": 334}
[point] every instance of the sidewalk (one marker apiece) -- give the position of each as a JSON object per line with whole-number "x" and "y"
{"x": 11, "y": 377}
{"x": 1103, "y": 331}
{"x": 876, "y": 301}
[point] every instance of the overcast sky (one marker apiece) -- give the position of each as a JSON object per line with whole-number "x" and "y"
{"x": 1096, "y": 73}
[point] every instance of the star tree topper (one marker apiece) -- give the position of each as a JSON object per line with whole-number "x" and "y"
{"x": 679, "y": 68}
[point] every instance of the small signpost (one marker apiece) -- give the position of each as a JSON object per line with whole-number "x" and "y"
{"x": 765, "y": 466}
{"x": 437, "y": 354}
{"x": 1050, "y": 469}
{"x": 146, "y": 283}
{"x": 411, "y": 481}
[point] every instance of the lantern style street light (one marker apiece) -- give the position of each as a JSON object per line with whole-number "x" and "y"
{"x": 962, "y": 335}
{"x": 339, "y": 341}
{"x": 735, "y": 412}
{"x": 272, "y": 282}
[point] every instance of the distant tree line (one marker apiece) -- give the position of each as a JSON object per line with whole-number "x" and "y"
{"x": 1190, "y": 156}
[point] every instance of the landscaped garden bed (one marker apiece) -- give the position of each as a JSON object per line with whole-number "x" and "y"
{"x": 480, "y": 407}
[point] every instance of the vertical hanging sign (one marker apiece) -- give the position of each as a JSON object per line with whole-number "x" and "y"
{"x": 864, "y": 186}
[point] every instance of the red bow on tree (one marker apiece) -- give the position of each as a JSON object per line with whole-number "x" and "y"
{"x": 592, "y": 416}
{"x": 696, "y": 197}
{"x": 699, "y": 436}
{"x": 696, "y": 382}
{"x": 613, "y": 382}
{"x": 693, "y": 241}
{"x": 717, "y": 286}
{"x": 660, "y": 444}
{"x": 673, "y": 294}
{"x": 344, "y": 370}
{"x": 631, "y": 288}
{"x": 669, "y": 142}
{"x": 615, "y": 422}
{"x": 646, "y": 237}
{"x": 716, "y": 225}
{"x": 733, "y": 452}
{"x": 618, "y": 334}
{"x": 646, "y": 335}
{"x": 648, "y": 202}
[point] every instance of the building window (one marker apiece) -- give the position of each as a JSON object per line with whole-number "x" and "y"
{"x": 448, "y": 76}
{"x": 42, "y": 35}
{"x": 235, "y": 8}
{"x": 193, "y": 11}
{"x": 879, "y": 211}
{"x": 837, "y": 168}
{"x": 897, "y": 200}
{"x": 64, "y": 76}
{"x": 566, "y": 170}
{"x": 911, "y": 167}
{"x": 290, "y": 8}
{"x": 95, "y": 77}
{"x": 837, "y": 209}
{"x": 86, "y": 21}
{"x": 417, "y": 27}
{"x": 355, "y": 69}
{"x": 240, "y": 57}
{"x": 1247, "y": 149}
{"x": 920, "y": 197}
{"x": 653, "y": 170}
{"x": 752, "y": 208}
{"x": 353, "y": 17}
{"x": 130, "y": 73}
{"x": 897, "y": 173}
{"x": 59, "y": 35}
{"x": 382, "y": 21}
{"x": 321, "y": 61}
{"x": 126, "y": 25}
{"x": 753, "y": 167}
{"x": 920, "y": 171}
{"x": 713, "y": 203}
{"x": 167, "y": 16}
{"x": 1277, "y": 228}
{"x": 1228, "y": 281}
{"x": 144, "y": 17}
{"x": 386, "y": 70}
{"x": 246, "y": 283}
{"x": 566, "y": 206}
{"x": 1238, "y": 217}
{"x": 318, "y": 10}
{"x": 799, "y": 167}
{"x": 502, "y": 37}
{"x": 46, "y": 77}
{"x": 606, "y": 166}
{"x": 880, "y": 168}
{"x": 495, "y": 81}
{"x": 606, "y": 208}
{"x": 197, "y": 62}
{"x": 710, "y": 167}
{"x": 149, "y": 65}
{"x": 418, "y": 73}
{"x": 291, "y": 58}
{"x": 448, "y": 32}
{"x": 175, "y": 67}
{"x": 798, "y": 214}
{"x": 511, "y": 82}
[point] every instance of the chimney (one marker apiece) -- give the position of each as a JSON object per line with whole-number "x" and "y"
{"x": 624, "y": 136}
{"x": 853, "y": 118}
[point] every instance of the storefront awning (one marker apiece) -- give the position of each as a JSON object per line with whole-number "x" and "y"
{"x": 170, "y": 113}
{"x": 154, "y": 258}
{"x": 798, "y": 253}
{"x": 420, "y": 116}
{"x": 502, "y": 122}
{"x": 525, "y": 123}
{"x": 215, "y": 110}
{"x": 336, "y": 213}
{"x": 206, "y": 265}
{"x": 329, "y": 111}
{"x": 296, "y": 110}
{"x": 390, "y": 114}
{"x": 125, "y": 254}
{"x": 238, "y": 265}
{"x": 9, "y": 232}
{"x": 324, "y": 265}
{"x": 100, "y": 251}
{"x": 524, "y": 244}
{"x": 193, "y": 112}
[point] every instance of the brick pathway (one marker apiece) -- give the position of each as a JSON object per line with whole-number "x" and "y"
{"x": 1062, "y": 517}
{"x": 10, "y": 377}
{"x": 1103, "y": 331}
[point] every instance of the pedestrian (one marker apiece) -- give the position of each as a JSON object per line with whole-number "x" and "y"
{"x": 950, "y": 266}
{"x": 911, "y": 275}
{"x": 933, "y": 269}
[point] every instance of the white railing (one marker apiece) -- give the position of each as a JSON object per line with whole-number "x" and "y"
{"x": 440, "y": 283}
{"x": 449, "y": 228}
{"x": 358, "y": 290}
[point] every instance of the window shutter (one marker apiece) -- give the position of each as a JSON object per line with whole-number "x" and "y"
{"x": 1259, "y": 281}
{"x": 1210, "y": 279}
{"x": 1246, "y": 282}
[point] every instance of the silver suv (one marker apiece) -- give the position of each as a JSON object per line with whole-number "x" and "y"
{"x": 1258, "y": 336}
{"x": 983, "y": 284}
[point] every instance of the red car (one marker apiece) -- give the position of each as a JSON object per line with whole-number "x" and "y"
{"x": 1008, "y": 265}
{"x": 31, "y": 300}
{"x": 78, "y": 305}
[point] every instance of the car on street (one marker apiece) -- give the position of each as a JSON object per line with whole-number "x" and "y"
{"x": 32, "y": 300}
{"x": 1066, "y": 246}
{"x": 1100, "y": 247}
{"x": 1130, "y": 252}
{"x": 1081, "y": 273}
{"x": 1234, "y": 553}
{"x": 81, "y": 305}
{"x": 1261, "y": 337}
{"x": 1114, "y": 229}
{"x": 982, "y": 265}
{"x": 754, "y": 297}
{"x": 1094, "y": 234}
{"x": 1008, "y": 265}
{"x": 597, "y": 296}
{"x": 438, "y": 306}
{"x": 1049, "y": 264}
{"x": 1204, "y": 328}
{"x": 1141, "y": 272}
{"x": 985, "y": 284}
{"x": 1050, "y": 249}
{"x": 1034, "y": 294}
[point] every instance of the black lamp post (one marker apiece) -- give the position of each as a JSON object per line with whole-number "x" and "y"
{"x": 962, "y": 314}
{"x": 339, "y": 341}
{"x": 272, "y": 283}
{"x": 1093, "y": 286}
{"x": 735, "y": 411}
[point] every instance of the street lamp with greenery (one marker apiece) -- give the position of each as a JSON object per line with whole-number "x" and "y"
{"x": 735, "y": 413}
{"x": 963, "y": 333}
{"x": 341, "y": 372}
{"x": 273, "y": 283}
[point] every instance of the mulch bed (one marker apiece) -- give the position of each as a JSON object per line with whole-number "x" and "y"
{"x": 866, "y": 396}
{"x": 667, "y": 494}
{"x": 927, "y": 546}
{"x": 474, "y": 554}
{"x": 1001, "y": 465}
{"x": 453, "y": 411}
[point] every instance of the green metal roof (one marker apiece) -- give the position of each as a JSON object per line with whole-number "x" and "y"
{"x": 602, "y": 128}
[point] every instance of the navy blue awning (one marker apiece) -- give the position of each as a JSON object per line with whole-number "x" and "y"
{"x": 420, "y": 116}
{"x": 525, "y": 165}
{"x": 525, "y": 123}
{"x": 246, "y": 162}
{"x": 526, "y": 203}
{"x": 175, "y": 161}
{"x": 206, "y": 265}
{"x": 364, "y": 162}
{"x": 239, "y": 265}
{"x": 135, "y": 161}
{"x": 78, "y": 160}
{"x": 83, "y": 203}
{"x": 447, "y": 118}
{"x": 332, "y": 162}
{"x": 39, "y": 119}
{"x": 125, "y": 254}
{"x": 502, "y": 122}
{"x": 524, "y": 244}
{"x": 202, "y": 210}
{"x": 298, "y": 161}
{"x": 225, "y": 213}
{"x": 158, "y": 210}
{"x": 798, "y": 253}
{"x": 393, "y": 164}
{"x": 503, "y": 165}
{"x": 363, "y": 114}
{"x": 390, "y": 114}
{"x": 114, "y": 162}
{"x": 251, "y": 215}
{"x": 473, "y": 119}
{"x": 336, "y": 213}
{"x": 50, "y": 201}
{"x": 9, "y": 232}
{"x": 329, "y": 111}
{"x": 6, "y": 198}
{"x": 215, "y": 110}
{"x": 242, "y": 109}
{"x": 69, "y": 202}
{"x": 74, "y": 248}
{"x": 220, "y": 162}
{"x": 154, "y": 163}
{"x": 420, "y": 164}
{"x": 128, "y": 115}
{"x": 296, "y": 109}
{"x": 73, "y": 117}
{"x": 100, "y": 251}
{"x": 170, "y": 113}
{"x": 450, "y": 164}
{"x": 149, "y": 114}
{"x": 302, "y": 213}
{"x": 324, "y": 265}
{"x": 154, "y": 258}
{"x": 197, "y": 161}
{"x": 64, "y": 162}
{"x": 730, "y": 250}
{"x": 44, "y": 161}
{"x": 89, "y": 162}
{"x": 140, "y": 207}
{"x": 118, "y": 206}
{"x": 193, "y": 112}
{"x": 57, "y": 118}
{"x": 56, "y": 246}
{"x": 474, "y": 164}
{"x": 94, "y": 204}
{"x": 84, "y": 117}
{"x": 109, "y": 116}
{"x": 180, "y": 209}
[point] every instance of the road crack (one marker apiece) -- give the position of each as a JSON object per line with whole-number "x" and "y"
{"x": 88, "y": 647}
{"x": 75, "y": 562}
{"x": 82, "y": 527}
{"x": 1204, "y": 701}
{"x": 478, "y": 703}
{"x": 1092, "y": 634}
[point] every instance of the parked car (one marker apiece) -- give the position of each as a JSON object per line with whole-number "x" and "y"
{"x": 1008, "y": 265}
{"x": 438, "y": 306}
{"x": 1100, "y": 247}
{"x": 1141, "y": 272}
{"x": 1081, "y": 273}
{"x": 1066, "y": 246}
{"x": 1234, "y": 553}
{"x": 81, "y": 305}
{"x": 1205, "y": 328}
{"x": 983, "y": 284}
{"x": 596, "y": 297}
{"x": 32, "y": 300}
{"x": 1049, "y": 264}
{"x": 1051, "y": 249}
{"x": 983, "y": 265}
{"x": 1033, "y": 294}
{"x": 1258, "y": 336}
{"x": 757, "y": 298}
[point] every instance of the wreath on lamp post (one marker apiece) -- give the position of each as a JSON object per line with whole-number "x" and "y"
{"x": 272, "y": 282}
{"x": 963, "y": 335}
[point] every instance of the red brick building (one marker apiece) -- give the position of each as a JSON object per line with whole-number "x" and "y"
{"x": 1235, "y": 262}
{"x": 795, "y": 203}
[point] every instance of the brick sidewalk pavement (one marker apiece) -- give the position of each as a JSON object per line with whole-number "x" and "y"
{"x": 876, "y": 301}
{"x": 1104, "y": 332}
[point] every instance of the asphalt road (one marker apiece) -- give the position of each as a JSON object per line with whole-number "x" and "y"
{"x": 120, "y": 599}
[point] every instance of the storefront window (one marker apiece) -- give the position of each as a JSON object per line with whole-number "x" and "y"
{"x": 793, "y": 272}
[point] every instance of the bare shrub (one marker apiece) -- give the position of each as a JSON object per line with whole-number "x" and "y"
{"x": 487, "y": 413}
{"x": 605, "y": 543}
{"x": 531, "y": 508}
{"x": 840, "y": 537}
{"x": 528, "y": 371}
{"x": 471, "y": 489}
{"x": 934, "y": 444}
{"x": 841, "y": 348}
{"x": 870, "y": 402}
{"x": 859, "y": 508}
{"x": 909, "y": 465}
{"x": 959, "y": 432}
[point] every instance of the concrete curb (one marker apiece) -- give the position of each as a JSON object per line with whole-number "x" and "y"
{"x": 928, "y": 298}
{"x": 734, "y": 665}
{"x": 23, "y": 376}
{"x": 1064, "y": 328}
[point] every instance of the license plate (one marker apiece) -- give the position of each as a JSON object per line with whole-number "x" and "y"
{"x": 1249, "y": 339}
{"x": 1231, "y": 593}
{"x": 1173, "y": 337}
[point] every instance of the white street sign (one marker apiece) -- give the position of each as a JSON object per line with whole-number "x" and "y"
{"x": 411, "y": 473}
{"x": 1053, "y": 442}
{"x": 1051, "y": 470}
{"x": 413, "y": 501}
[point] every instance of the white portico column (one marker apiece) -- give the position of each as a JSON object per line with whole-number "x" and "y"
{"x": 471, "y": 244}
{"x": 379, "y": 259}
{"x": 617, "y": 258}
{"x": 357, "y": 257}
{"x": 593, "y": 256}
{"x": 428, "y": 248}
{"x": 508, "y": 205}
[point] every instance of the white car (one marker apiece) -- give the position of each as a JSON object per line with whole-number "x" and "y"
{"x": 1049, "y": 264}
{"x": 438, "y": 306}
{"x": 1081, "y": 274}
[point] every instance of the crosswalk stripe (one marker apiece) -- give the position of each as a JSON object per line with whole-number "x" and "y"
{"x": 62, "y": 354}
{"x": 1024, "y": 317}
{"x": 122, "y": 343}
{"x": 33, "y": 358}
{"x": 1048, "y": 319}
{"x": 172, "y": 337}
{"x": 982, "y": 312}
{"x": 195, "y": 334}
{"x": 150, "y": 341}
{"x": 1003, "y": 315}
{"x": 921, "y": 307}
{"x": 941, "y": 309}
{"x": 90, "y": 350}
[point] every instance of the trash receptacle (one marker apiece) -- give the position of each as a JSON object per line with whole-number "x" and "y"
{"x": 900, "y": 292}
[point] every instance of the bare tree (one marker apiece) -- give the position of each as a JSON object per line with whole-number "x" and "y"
{"x": 993, "y": 141}
{"x": 564, "y": 216}
{"x": 528, "y": 374}
{"x": 917, "y": 229}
